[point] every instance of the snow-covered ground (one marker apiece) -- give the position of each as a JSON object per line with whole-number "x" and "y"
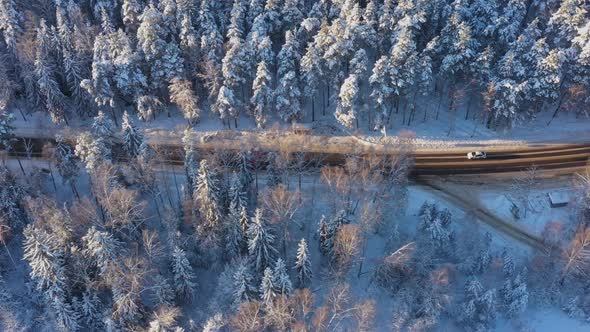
{"x": 449, "y": 131}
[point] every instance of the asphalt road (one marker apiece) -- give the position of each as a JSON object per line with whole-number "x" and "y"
{"x": 499, "y": 160}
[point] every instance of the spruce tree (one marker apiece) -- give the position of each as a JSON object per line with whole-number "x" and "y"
{"x": 261, "y": 242}
{"x": 183, "y": 275}
{"x": 243, "y": 290}
{"x": 6, "y": 136}
{"x": 102, "y": 247}
{"x": 262, "y": 96}
{"x": 303, "y": 264}
{"x": 207, "y": 195}
{"x": 268, "y": 287}
{"x": 132, "y": 138}
{"x": 282, "y": 280}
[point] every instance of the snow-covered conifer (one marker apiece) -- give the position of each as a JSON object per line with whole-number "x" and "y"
{"x": 103, "y": 127}
{"x": 66, "y": 160}
{"x": 282, "y": 281}
{"x": 190, "y": 158}
{"x": 182, "y": 94}
{"x": 287, "y": 96}
{"x": 226, "y": 104}
{"x": 262, "y": 94}
{"x": 9, "y": 23}
{"x": 49, "y": 87}
{"x": 303, "y": 264}
{"x": 102, "y": 247}
{"x": 347, "y": 108}
{"x": 565, "y": 21}
{"x": 132, "y": 138}
{"x": 184, "y": 283}
{"x": 291, "y": 14}
{"x": 509, "y": 23}
{"x": 93, "y": 151}
{"x": 243, "y": 290}
{"x": 515, "y": 295}
{"x": 382, "y": 88}
{"x": 261, "y": 242}
{"x": 6, "y": 129}
{"x": 507, "y": 264}
{"x": 267, "y": 287}
{"x": 164, "y": 294}
{"x": 89, "y": 308}
{"x": 162, "y": 55}
{"x": 207, "y": 194}
{"x": 148, "y": 106}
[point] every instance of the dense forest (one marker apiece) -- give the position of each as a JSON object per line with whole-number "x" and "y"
{"x": 101, "y": 232}
{"x": 289, "y": 59}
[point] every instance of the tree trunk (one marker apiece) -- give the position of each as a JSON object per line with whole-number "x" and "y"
{"x": 312, "y": 109}
{"x": 557, "y": 108}
{"x": 114, "y": 116}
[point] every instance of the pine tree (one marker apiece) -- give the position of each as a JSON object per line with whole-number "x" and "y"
{"x": 311, "y": 72}
{"x": 288, "y": 57}
{"x": 208, "y": 195}
{"x": 262, "y": 94}
{"x": 484, "y": 17}
{"x": 49, "y": 87}
{"x": 131, "y": 10}
{"x": 100, "y": 84}
{"x": 73, "y": 63}
{"x": 509, "y": 23}
{"x": 346, "y": 110}
{"x": 126, "y": 65}
{"x": 162, "y": 55}
{"x": 183, "y": 275}
{"x": 260, "y": 242}
{"x": 225, "y": 105}
{"x": 93, "y": 151}
{"x": 182, "y": 94}
{"x": 267, "y": 287}
{"x": 272, "y": 15}
{"x": 382, "y": 88}
{"x": 132, "y": 138}
{"x": 287, "y": 97}
{"x": 9, "y": 23}
{"x": 328, "y": 229}
{"x": 291, "y": 14}
{"x": 243, "y": 289}
{"x": 303, "y": 264}
{"x": 566, "y": 20}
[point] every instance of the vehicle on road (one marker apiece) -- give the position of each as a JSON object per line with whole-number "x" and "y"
{"x": 476, "y": 155}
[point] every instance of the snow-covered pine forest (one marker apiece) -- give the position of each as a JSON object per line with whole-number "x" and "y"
{"x": 251, "y": 240}
{"x": 292, "y": 60}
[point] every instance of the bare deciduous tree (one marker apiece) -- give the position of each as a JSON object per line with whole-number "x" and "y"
{"x": 347, "y": 245}
{"x": 282, "y": 206}
{"x": 248, "y": 318}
